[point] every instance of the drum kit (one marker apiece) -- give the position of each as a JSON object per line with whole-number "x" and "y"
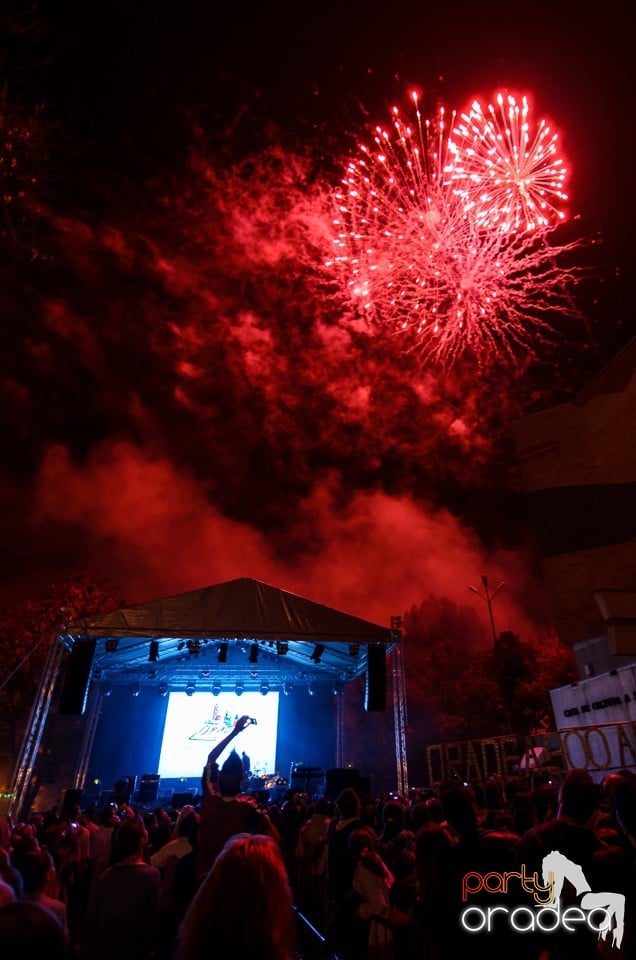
{"x": 265, "y": 784}
{"x": 262, "y": 781}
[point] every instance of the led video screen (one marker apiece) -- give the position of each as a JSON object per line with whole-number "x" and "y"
{"x": 195, "y": 724}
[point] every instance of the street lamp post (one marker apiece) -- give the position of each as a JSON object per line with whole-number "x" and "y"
{"x": 488, "y": 597}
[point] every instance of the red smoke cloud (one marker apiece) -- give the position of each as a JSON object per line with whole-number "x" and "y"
{"x": 200, "y": 411}
{"x": 152, "y": 527}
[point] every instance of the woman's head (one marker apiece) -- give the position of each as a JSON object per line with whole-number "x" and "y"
{"x": 392, "y": 817}
{"x": 37, "y": 868}
{"x": 129, "y": 839}
{"x": 243, "y": 907}
{"x": 348, "y": 803}
{"x": 433, "y": 858}
{"x": 30, "y": 930}
{"x": 361, "y": 843}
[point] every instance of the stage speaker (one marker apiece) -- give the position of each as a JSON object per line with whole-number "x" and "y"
{"x": 363, "y": 786}
{"x": 123, "y": 790}
{"x": 182, "y": 799}
{"x": 339, "y": 779}
{"x": 148, "y": 788}
{"x": 76, "y": 679}
{"x": 69, "y": 800}
{"x": 375, "y": 679}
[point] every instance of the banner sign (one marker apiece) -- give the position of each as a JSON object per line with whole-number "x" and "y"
{"x": 608, "y": 698}
{"x": 600, "y": 749}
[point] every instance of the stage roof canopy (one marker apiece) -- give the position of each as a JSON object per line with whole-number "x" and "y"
{"x": 241, "y": 631}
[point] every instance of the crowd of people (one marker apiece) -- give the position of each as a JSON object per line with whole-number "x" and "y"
{"x": 429, "y": 876}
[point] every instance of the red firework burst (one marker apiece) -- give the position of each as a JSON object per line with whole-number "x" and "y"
{"x": 441, "y": 254}
{"x": 515, "y": 171}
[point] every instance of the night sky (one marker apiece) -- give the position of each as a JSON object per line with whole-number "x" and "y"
{"x": 181, "y": 405}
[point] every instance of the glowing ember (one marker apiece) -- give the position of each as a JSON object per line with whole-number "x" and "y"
{"x": 448, "y": 245}
{"x": 22, "y": 157}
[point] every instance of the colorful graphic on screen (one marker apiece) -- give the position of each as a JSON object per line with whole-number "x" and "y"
{"x": 195, "y": 724}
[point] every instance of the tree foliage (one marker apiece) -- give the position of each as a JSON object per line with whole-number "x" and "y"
{"x": 460, "y": 687}
{"x": 27, "y": 631}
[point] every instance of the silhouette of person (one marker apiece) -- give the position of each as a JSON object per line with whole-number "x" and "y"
{"x": 243, "y": 907}
{"x": 224, "y": 810}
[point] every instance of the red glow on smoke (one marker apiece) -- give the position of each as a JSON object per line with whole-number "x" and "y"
{"x": 197, "y": 408}
{"x": 369, "y": 554}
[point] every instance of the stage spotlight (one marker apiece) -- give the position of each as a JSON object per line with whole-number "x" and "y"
{"x": 194, "y": 646}
{"x": 136, "y": 690}
{"x": 318, "y": 652}
{"x": 254, "y": 653}
{"x": 153, "y": 653}
{"x": 264, "y": 688}
{"x": 107, "y": 690}
{"x": 190, "y": 688}
{"x": 222, "y": 658}
{"x": 354, "y": 649}
{"x": 216, "y": 689}
{"x": 111, "y": 644}
{"x": 162, "y": 689}
{"x": 281, "y": 647}
{"x": 238, "y": 689}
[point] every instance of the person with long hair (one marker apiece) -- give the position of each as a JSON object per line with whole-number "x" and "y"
{"x": 28, "y": 929}
{"x": 243, "y": 907}
{"x": 371, "y": 884}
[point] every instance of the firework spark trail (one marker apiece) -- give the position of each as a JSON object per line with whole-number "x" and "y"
{"x": 519, "y": 176}
{"x": 430, "y": 251}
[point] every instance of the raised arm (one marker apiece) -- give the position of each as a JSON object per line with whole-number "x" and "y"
{"x": 216, "y": 752}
